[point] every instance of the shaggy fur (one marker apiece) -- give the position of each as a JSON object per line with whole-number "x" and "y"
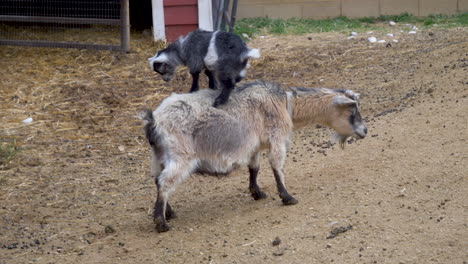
{"x": 187, "y": 135}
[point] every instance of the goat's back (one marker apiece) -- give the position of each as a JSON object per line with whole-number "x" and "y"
{"x": 225, "y": 137}
{"x": 257, "y": 98}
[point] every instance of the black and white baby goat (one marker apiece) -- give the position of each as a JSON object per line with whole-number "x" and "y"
{"x": 223, "y": 55}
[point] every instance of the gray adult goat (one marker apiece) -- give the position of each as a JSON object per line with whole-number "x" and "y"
{"x": 188, "y": 135}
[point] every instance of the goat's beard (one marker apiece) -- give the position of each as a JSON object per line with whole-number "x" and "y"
{"x": 340, "y": 139}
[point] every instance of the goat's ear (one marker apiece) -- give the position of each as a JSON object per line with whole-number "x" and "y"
{"x": 353, "y": 95}
{"x": 342, "y": 100}
{"x": 162, "y": 58}
{"x": 159, "y": 57}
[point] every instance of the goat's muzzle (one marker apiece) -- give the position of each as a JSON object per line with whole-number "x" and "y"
{"x": 167, "y": 77}
{"x": 361, "y": 132}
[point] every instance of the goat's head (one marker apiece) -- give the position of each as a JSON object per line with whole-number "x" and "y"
{"x": 345, "y": 118}
{"x": 164, "y": 63}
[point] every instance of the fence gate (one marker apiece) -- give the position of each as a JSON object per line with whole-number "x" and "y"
{"x": 88, "y": 24}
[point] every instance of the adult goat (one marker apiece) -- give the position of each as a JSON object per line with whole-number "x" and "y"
{"x": 188, "y": 135}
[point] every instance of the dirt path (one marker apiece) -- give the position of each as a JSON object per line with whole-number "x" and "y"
{"x": 79, "y": 191}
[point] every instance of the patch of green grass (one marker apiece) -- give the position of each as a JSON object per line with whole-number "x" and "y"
{"x": 461, "y": 19}
{"x": 439, "y": 19}
{"x": 257, "y": 26}
{"x": 8, "y": 150}
{"x": 446, "y": 21}
{"x": 368, "y": 20}
{"x": 401, "y": 18}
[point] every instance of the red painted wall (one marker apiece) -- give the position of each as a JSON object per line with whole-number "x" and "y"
{"x": 180, "y": 17}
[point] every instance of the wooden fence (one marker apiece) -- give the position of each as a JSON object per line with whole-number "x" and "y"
{"x": 65, "y": 24}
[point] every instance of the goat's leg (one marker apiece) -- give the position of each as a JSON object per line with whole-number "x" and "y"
{"x": 172, "y": 174}
{"x": 156, "y": 168}
{"x": 170, "y": 214}
{"x": 195, "y": 77}
{"x": 255, "y": 190}
{"x": 227, "y": 86}
{"x": 286, "y": 198}
{"x": 159, "y": 214}
{"x": 277, "y": 158}
{"x": 211, "y": 79}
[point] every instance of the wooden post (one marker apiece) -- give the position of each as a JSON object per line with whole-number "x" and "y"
{"x": 219, "y": 15}
{"x": 214, "y": 6}
{"x": 205, "y": 15}
{"x": 224, "y": 16}
{"x": 125, "y": 26}
{"x": 233, "y": 16}
{"x": 159, "y": 26}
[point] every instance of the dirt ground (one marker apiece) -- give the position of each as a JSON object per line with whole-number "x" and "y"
{"x": 79, "y": 190}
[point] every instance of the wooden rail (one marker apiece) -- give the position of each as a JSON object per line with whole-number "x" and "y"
{"x": 62, "y": 20}
{"x": 123, "y": 22}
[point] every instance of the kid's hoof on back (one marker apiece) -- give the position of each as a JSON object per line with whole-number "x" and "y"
{"x": 219, "y": 101}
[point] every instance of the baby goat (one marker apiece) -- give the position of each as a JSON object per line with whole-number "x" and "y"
{"x": 187, "y": 135}
{"x": 223, "y": 55}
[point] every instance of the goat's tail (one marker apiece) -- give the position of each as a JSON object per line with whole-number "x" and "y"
{"x": 250, "y": 54}
{"x": 150, "y": 128}
{"x": 147, "y": 116}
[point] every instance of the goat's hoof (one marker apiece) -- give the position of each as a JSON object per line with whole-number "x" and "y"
{"x": 219, "y": 102}
{"x": 171, "y": 215}
{"x": 160, "y": 227}
{"x": 258, "y": 195}
{"x": 289, "y": 201}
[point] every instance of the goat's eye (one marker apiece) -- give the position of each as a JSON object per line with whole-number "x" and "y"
{"x": 159, "y": 67}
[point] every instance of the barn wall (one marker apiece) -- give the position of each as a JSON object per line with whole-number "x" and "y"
{"x": 319, "y": 9}
{"x": 180, "y": 17}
